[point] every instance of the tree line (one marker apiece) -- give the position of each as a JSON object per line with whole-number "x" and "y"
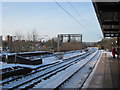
{"x": 33, "y": 42}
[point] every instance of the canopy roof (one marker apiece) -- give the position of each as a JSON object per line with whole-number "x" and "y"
{"x": 108, "y": 14}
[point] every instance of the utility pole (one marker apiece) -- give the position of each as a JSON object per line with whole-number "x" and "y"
{"x": 81, "y": 42}
{"x": 58, "y": 47}
{"x": 33, "y": 41}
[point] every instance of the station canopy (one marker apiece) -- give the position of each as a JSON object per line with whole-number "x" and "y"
{"x": 108, "y": 14}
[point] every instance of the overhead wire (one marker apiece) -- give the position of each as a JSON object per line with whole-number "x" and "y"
{"x": 71, "y": 16}
{"x": 77, "y": 13}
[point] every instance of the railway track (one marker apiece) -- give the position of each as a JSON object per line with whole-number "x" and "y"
{"x": 56, "y": 81}
{"x": 43, "y": 73}
{"x": 82, "y": 72}
{"x": 38, "y": 69}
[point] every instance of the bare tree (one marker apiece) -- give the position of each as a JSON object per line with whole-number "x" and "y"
{"x": 19, "y": 36}
{"x": 19, "y": 42}
{"x": 29, "y": 36}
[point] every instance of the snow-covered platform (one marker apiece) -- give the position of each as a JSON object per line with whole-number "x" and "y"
{"x": 106, "y": 73}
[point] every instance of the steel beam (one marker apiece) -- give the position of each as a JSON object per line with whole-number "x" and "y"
{"x": 110, "y": 23}
{"x": 114, "y": 30}
{"x": 110, "y": 8}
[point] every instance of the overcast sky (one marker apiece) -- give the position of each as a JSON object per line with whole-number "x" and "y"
{"x": 47, "y": 18}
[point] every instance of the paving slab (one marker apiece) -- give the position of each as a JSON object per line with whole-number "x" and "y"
{"x": 106, "y": 74}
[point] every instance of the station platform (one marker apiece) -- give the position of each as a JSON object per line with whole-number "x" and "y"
{"x": 106, "y": 73}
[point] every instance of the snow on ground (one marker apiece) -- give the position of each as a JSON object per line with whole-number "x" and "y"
{"x": 109, "y": 54}
{"x": 48, "y": 59}
{"x": 7, "y": 54}
{"x": 45, "y": 60}
{"x": 5, "y": 65}
{"x": 71, "y": 55}
{"x": 37, "y": 74}
{"x": 78, "y": 79}
{"x": 63, "y": 75}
